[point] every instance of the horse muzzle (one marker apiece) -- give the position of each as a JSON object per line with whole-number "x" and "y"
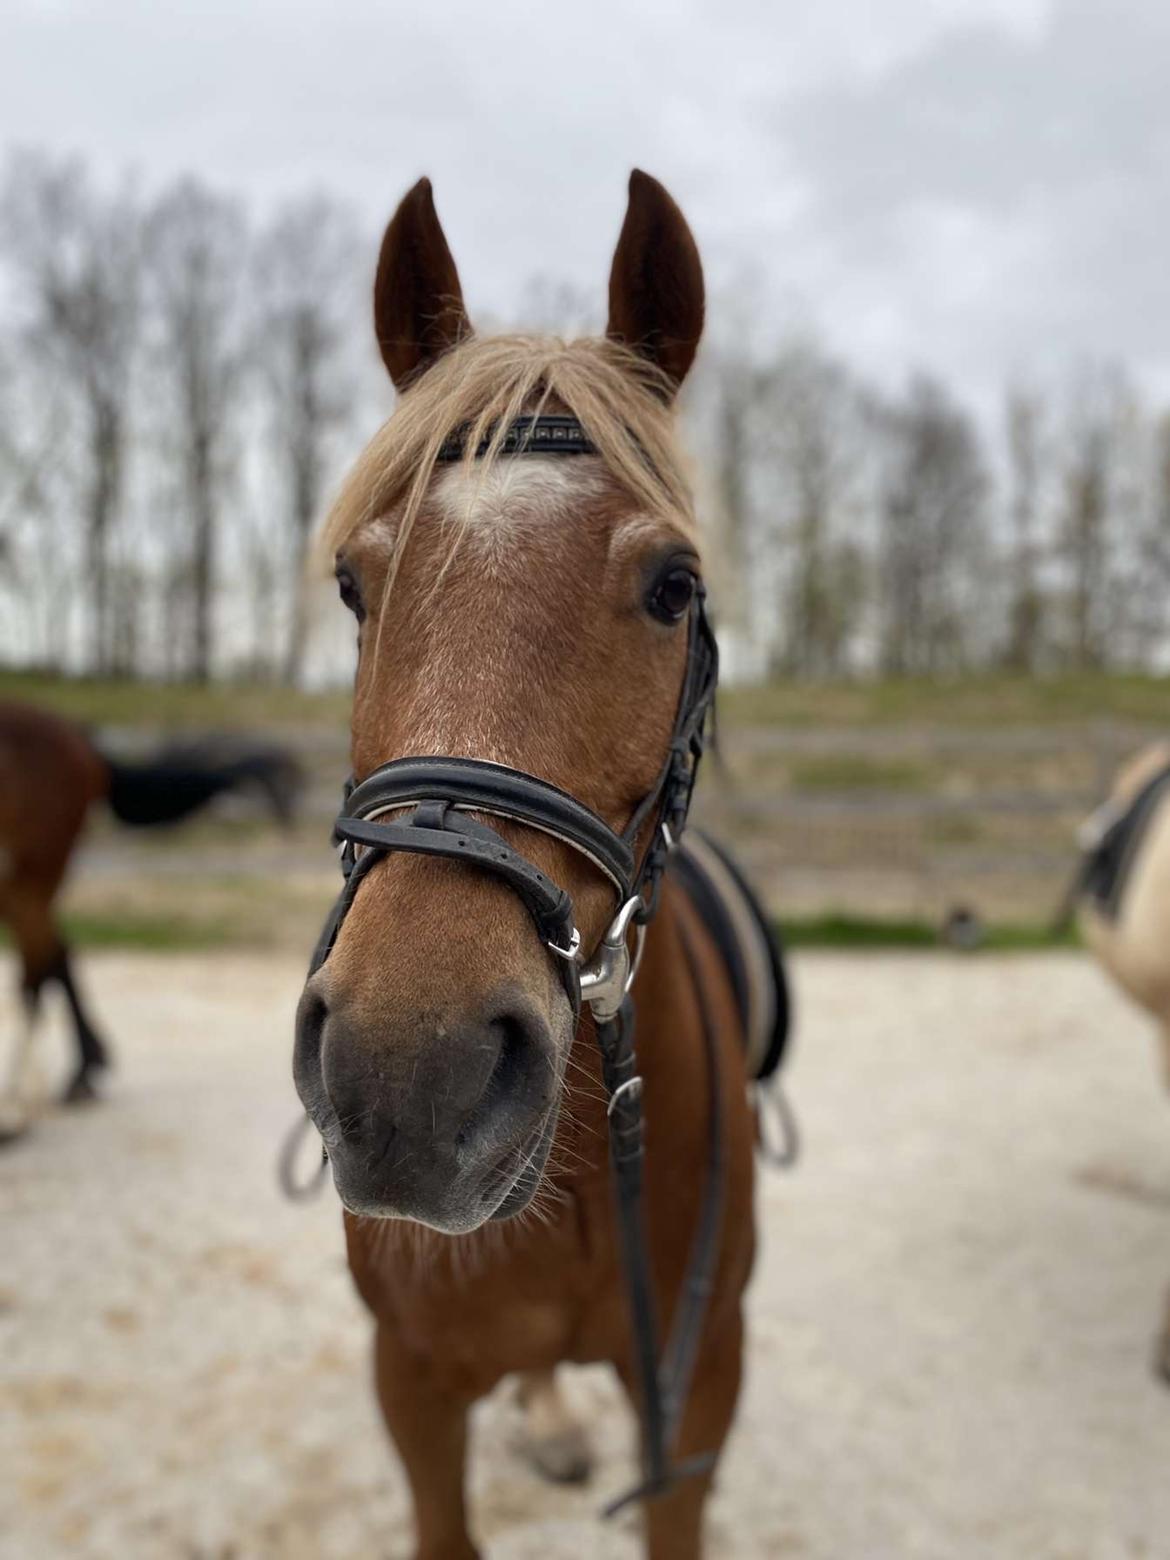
{"x": 447, "y": 1120}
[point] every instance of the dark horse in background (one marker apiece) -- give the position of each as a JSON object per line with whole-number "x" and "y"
{"x": 51, "y": 774}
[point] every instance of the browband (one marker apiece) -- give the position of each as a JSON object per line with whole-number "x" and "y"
{"x": 550, "y": 434}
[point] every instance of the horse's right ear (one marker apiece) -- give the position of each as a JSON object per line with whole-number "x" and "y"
{"x": 656, "y": 284}
{"x": 418, "y": 303}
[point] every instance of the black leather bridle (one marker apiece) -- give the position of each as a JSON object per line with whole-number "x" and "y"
{"x": 424, "y": 806}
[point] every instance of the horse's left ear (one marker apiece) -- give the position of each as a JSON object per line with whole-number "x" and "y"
{"x": 656, "y": 283}
{"x": 418, "y": 303}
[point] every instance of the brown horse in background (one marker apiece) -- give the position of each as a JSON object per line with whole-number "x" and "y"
{"x": 51, "y": 774}
{"x": 530, "y": 613}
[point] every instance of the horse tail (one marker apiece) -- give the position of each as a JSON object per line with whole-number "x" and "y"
{"x": 180, "y": 780}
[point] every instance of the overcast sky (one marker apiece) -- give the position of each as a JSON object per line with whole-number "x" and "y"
{"x": 977, "y": 186}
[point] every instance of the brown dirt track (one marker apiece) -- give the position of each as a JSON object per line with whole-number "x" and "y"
{"x": 950, "y": 1324}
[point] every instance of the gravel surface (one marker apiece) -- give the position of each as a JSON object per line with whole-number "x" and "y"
{"x": 951, "y": 1321}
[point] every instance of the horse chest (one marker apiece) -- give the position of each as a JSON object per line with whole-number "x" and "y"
{"x": 479, "y": 1307}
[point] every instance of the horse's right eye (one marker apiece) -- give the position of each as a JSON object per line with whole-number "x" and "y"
{"x": 348, "y": 590}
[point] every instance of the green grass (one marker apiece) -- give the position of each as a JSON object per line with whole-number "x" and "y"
{"x": 172, "y": 706}
{"x": 850, "y": 772}
{"x": 983, "y": 700}
{"x": 878, "y": 932}
{"x": 176, "y": 933}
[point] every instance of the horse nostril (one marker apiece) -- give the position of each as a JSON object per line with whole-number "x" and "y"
{"x": 312, "y": 1012}
{"x": 519, "y": 1081}
{"x": 509, "y": 1068}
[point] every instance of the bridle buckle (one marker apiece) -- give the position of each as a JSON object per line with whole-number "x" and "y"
{"x": 570, "y": 952}
{"x": 607, "y": 977}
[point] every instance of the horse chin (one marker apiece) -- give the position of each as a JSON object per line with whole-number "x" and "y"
{"x": 530, "y": 1173}
{"x": 473, "y": 1197}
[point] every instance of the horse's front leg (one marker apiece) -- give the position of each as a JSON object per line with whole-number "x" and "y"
{"x": 674, "y": 1523}
{"x": 429, "y": 1427}
{"x": 553, "y": 1440}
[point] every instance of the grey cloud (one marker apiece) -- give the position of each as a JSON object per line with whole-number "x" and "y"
{"x": 960, "y": 183}
{"x": 1047, "y": 158}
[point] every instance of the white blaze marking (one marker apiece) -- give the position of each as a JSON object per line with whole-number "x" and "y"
{"x": 513, "y": 493}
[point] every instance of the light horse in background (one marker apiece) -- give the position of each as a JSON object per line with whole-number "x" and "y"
{"x": 1123, "y": 903}
{"x": 530, "y": 611}
{"x": 51, "y": 775}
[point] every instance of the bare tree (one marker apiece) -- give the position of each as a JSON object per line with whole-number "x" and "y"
{"x": 732, "y": 387}
{"x": 814, "y": 416}
{"x": 1097, "y": 504}
{"x": 198, "y": 258}
{"x": 305, "y": 272}
{"x": 1158, "y": 541}
{"x": 76, "y": 257}
{"x": 1024, "y": 417}
{"x": 933, "y": 543}
{"x": 38, "y": 505}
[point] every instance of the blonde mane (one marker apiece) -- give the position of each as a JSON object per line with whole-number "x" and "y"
{"x": 620, "y": 400}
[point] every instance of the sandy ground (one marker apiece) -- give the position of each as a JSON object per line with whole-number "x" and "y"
{"x": 950, "y": 1325}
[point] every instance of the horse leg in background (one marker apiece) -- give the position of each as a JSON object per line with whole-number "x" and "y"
{"x": 428, "y": 1425}
{"x": 674, "y": 1522}
{"x": 44, "y": 957}
{"x": 553, "y": 1439}
{"x": 92, "y": 1055}
{"x": 18, "y": 1101}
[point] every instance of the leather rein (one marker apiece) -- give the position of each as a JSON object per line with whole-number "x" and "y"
{"x": 424, "y": 806}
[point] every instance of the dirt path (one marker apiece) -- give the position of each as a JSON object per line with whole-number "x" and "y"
{"x": 951, "y": 1322}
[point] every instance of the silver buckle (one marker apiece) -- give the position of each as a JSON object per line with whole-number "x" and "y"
{"x": 571, "y": 951}
{"x": 608, "y": 975}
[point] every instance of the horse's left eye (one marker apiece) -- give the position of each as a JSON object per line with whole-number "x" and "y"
{"x": 671, "y": 598}
{"x": 347, "y": 588}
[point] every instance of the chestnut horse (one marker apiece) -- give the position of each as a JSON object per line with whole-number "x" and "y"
{"x": 1123, "y": 903}
{"x": 530, "y": 612}
{"x": 51, "y": 774}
